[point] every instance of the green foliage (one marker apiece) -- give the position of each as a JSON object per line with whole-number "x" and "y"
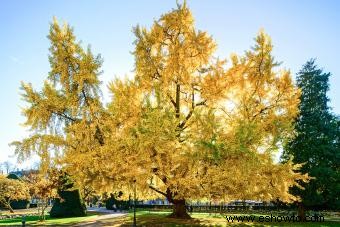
{"x": 20, "y": 204}
{"x": 317, "y": 141}
{"x": 35, "y": 221}
{"x": 65, "y": 182}
{"x": 13, "y": 176}
{"x": 69, "y": 204}
{"x": 120, "y": 204}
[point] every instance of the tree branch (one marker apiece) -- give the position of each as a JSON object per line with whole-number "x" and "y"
{"x": 177, "y": 103}
{"x": 64, "y": 116}
{"x": 172, "y": 100}
{"x": 158, "y": 191}
{"x": 181, "y": 125}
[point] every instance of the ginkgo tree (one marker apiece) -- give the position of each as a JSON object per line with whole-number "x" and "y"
{"x": 188, "y": 126}
{"x": 65, "y": 116}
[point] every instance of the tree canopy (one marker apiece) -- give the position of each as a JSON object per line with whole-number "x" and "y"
{"x": 188, "y": 125}
{"x": 12, "y": 190}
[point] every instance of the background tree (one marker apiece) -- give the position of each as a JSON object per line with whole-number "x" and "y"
{"x": 64, "y": 116}
{"x": 87, "y": 192}
{"x": 69, "y": 202}
{"x": 44, "y": 188}
{"x": 21, "y": 203}
{"x": 8, "y": 166}
{"x": 317, "y": 141}
{"x": 12, "y": 190}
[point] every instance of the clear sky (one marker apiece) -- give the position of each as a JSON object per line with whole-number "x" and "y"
{"x": 300, "y": 30}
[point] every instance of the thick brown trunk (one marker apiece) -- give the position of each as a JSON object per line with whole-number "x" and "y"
{"x": 179, "y": 209}
{"x": 301, "y": 212}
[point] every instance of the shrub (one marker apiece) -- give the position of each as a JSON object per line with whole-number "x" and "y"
{"x": 120, "y": 204}
{"x": 20, "y": 204}
{"x": 70, "y": 204}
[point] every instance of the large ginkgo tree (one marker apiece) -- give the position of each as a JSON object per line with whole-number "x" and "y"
{"x": 187, "y": 126}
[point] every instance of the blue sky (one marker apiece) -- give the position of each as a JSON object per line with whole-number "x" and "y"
{"x": 300, "y": 30}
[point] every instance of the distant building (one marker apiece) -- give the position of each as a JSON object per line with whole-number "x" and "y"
{"x": 21, "y": 173}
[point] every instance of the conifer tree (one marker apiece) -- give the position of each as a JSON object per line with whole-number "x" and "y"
{"x": 317, "y": 141}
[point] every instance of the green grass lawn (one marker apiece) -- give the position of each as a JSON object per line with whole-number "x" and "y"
{"x": 145, "y": 218}
{"x": 159, "y": 218}
{"x": 34, "y": 221}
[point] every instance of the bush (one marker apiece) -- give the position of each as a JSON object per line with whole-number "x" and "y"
{"x": 33, "y": 205}
{"x": 69, "y": 204}
{"x": 20, "y": 204}
{"x": 120, "y": 204}
{"x": 13, "y": 176}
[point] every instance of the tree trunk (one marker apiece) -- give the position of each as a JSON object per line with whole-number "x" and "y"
{"x": 10, "y": 208}
{"x": 43, "y": 207}
{"x": 179, "y": 209}
{"x": 301, "y": 212}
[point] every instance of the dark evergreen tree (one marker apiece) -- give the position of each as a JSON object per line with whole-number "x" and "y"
{"x": 69, "y": 203}
{"x": 317, "y": 142}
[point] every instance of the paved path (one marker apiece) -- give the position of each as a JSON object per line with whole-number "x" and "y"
{"x": 101, "y": 220}
{"x": 101, "y": 210}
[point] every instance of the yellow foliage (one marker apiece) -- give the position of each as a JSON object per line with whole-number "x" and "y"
{"x": 187, "y": 126}
{"x": 12, "y": 190}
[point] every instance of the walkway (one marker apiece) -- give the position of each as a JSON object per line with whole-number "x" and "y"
{"x": 102, "y": 220}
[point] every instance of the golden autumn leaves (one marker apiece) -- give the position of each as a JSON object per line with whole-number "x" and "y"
{"x": 12, "y": 190}
{"x": 187, "y": 126}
